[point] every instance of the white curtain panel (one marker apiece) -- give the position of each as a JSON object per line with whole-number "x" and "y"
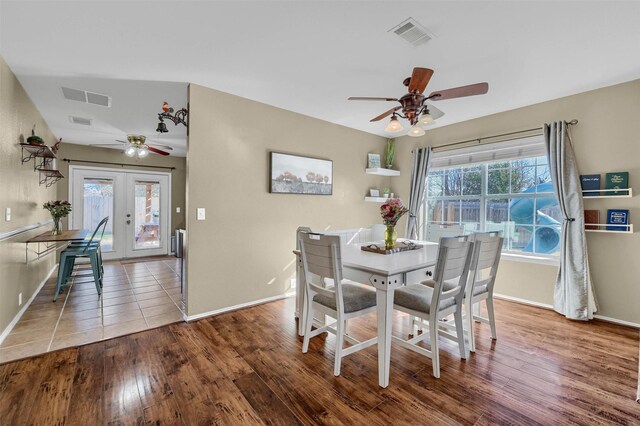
{"x": 419, "y": 171}
{"x": 573, "y": 295}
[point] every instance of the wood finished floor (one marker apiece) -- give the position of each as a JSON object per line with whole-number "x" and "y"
{"x": 245, "y": 367}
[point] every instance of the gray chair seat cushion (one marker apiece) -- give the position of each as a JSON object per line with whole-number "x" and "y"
{"x": 355, "y": 297}
{"x": 418, "y": 297}
{"x": 479, "y": 289}
{"x": 450, "y": 285}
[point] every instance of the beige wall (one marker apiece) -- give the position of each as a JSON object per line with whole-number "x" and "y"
{"x": 84, "y": 152}
{"x": 20, "y": 191}
{"x": 242, "y": 251}
{"x": 606, "y": 139}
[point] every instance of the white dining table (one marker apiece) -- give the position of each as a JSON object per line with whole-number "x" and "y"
{"x": 386, "y": 272}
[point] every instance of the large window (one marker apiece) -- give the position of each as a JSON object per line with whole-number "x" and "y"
{"x": 512, "y": 196}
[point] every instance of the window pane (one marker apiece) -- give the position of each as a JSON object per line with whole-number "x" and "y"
{"x": 98, "y": 204}
{"x": 548, "y": 211}
{"x": 541, "y": 160}
{"x": 472, "y": 181}
{"x": 147, "y": 215}
{"x": 499, "y": 165}
{"x": 470, "y": 215}
{"x": 548, "y": 239}
{"x": 544, "y": 179}
{"x": 435, "y": 184}
{"x": 498, "y": 181}
{"x": 523, "y": 178}
{"x": 452, "y": 182}
{"x": 521, "y": 210}
{"x": 523, "y": 162}
{"x": 521, "y": 239}
{"x": 497, "y": 213}
{"x": 451, "y": 211}
{"x": 434, "y": 211}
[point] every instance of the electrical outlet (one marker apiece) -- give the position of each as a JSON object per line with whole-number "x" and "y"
{"x": 19, "y": 299}
{"x": 7, "y": 214}
{"x": 200, "y": 213}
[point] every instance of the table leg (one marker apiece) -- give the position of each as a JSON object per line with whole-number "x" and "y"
{"x": 384, "y": 299}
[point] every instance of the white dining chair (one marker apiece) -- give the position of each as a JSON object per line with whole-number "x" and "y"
{"x": 321, "y": 258}
{"x": 486, "y": 258}
{"x": 432, "y": 303}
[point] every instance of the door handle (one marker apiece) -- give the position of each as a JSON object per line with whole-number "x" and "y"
{"x": 128, "y": 222}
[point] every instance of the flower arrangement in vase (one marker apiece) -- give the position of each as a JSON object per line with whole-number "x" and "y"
{"x": 58, "y": 210}
{"x": 391, "y": 211}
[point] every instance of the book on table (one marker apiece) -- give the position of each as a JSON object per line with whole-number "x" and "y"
{"x": 590, "y": 183}
{"x": 617, "y": 217}
{"x": 591, "y": 217}
{"x": 617, "y": 180}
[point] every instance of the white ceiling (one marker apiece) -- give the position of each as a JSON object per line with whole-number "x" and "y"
{"x": 308, "y": 56}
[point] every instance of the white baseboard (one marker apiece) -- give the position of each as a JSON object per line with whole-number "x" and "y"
{"x": 21, "y": 312}
{"x": 545, "y": 306}
{"x": 236, "y": 307}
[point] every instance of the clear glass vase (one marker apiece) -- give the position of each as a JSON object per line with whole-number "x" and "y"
{"x": 390, "y": 236}
{"x": 57, "y": 229}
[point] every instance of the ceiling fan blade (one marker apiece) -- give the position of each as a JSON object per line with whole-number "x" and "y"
{"x": 434, "y": 112}
{"x": 419, "y": 79}
{"x": 118, "y": 140}
{"x": 165, "y": 147}
{"x": 383, "y": 115}
{"x": 157, "y": 151}
{"x": 460, "y": 92}
{"x": 361, "y": 98}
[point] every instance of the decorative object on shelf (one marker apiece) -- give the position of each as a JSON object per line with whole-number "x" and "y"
{"x": 386, "y": 192}
{"x": 617, "y": 180}
{"x": 390, "y": 153}
{"x": 373, "y": 161}
{"x": 296, "y": 174}
{"x": 56, "y": 147}
{"x": 590, "y": 183}
{"x": 413, "y": 105}
{"x": 591, "y": 217}
{"x": 619, "y": 217}
{"x": 180, "y": 116}
{"x": 373, "y": 192}
{"x": 58, "y": 210}
{"x": 33, "y": 139}
{"x": 391, "y": 211}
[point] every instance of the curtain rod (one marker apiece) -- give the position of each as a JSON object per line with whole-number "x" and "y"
{"x": 69, "y": 160}
{"x": 479, "y": 140}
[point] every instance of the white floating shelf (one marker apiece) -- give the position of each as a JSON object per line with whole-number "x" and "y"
{"x": 629, "y": 193}
{"x": 382, "y": 171}
{"x": 376, "y": 199}
{"x": 625, "y": 229}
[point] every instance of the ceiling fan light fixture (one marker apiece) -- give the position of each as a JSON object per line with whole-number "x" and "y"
{"x": 143, "y": 151}
{"x": 130, "y": 152}
{"x": 394, "y": 125}
{"x": 416, "y": 131}
{"x": 426, "y": 118}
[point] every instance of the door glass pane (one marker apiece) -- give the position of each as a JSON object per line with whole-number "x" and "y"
{"x": 146, "y": 218}
{"x": 98, "y": 204}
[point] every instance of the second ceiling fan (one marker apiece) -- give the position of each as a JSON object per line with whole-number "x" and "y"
{"x": 413, "y": 105}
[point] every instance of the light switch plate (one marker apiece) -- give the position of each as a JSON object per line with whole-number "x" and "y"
{"x": 177, "y": 209}
{"x": 200, "y": 213}
{"x": 7, "y": 214}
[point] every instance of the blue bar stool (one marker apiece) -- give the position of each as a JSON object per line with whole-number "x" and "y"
{"x": 83, "y": 249}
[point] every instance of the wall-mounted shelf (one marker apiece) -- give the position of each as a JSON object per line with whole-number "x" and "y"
{"x": 376, "y": 199}
{"x": 30, "y": 151}
{"x": 624, "y": 229}
{"x": 382, "y": 171}
{"x": 607, "y": 193}
{"x": 48, "y": 177}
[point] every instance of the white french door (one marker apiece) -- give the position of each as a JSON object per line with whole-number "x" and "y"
{"x": 137, "y": 204}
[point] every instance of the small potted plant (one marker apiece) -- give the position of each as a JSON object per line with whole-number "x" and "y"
{"x": 390, "y": 153}
{"x": 386, "y": 192}
{"x": 33, "y": 139}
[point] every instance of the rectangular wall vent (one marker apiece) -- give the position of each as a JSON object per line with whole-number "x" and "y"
{"x": 86, "y": 97}
{"x": 413, "y": 32}
{"x": 80, "y": 120}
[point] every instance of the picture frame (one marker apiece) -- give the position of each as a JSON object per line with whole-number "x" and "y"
{"x": 299, "y": 174}
{"x": 374, "y": 192}
{"x": 373, "y": 161}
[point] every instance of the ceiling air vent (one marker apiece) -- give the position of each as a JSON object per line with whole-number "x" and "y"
{"x": 412, "y": 32}
{"x": 86, "y": 97}
{"x": 80, "y": 120}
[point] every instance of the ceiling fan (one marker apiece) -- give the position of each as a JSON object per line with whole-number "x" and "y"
{"x": 138, "y": 146}
{"x": 413, "y": 106}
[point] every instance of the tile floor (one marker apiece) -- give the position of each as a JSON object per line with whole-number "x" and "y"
{"x": 137, "y": 295}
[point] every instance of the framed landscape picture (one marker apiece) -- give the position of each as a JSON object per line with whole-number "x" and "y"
{"x": 296, "y": 174}
{"x": 373, "y": 161}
